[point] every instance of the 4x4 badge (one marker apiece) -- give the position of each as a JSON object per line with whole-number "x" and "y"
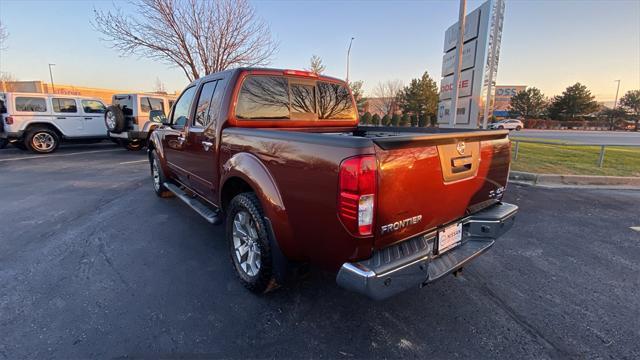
{"x": 460, "y": 147}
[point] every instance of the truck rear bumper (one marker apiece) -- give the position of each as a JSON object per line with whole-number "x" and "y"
{"x": 415, "y": 263}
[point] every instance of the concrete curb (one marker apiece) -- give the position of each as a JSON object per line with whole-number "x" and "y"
{"x": 575, "y": 180}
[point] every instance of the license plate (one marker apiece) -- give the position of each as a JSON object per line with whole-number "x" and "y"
{"x": 449, "y": 237}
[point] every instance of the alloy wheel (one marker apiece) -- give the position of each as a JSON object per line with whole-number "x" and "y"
{"x": 246, "y": 243}
{"x": 43, "y": 141}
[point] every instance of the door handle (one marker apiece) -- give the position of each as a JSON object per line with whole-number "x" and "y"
{"x": 88, "y": 118}
{"x": 61, "y": 117}
{"x": 207, "y": 145}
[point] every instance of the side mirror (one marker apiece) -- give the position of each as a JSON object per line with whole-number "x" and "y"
{"x": 158, "y": 116}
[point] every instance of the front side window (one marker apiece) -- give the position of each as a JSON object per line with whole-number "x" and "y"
{"x": 147, "y": 104}
{"x": 93, "y": 107}
{"x": 334, "y": 102}
{"x": 64, "y": 105}
{"x": 31, "y": 104}
{"x": 182, "y": 107}
{"x": 263, "y": 97}
{"x": 125, "y": 102}
{"x": 202, "y": 118}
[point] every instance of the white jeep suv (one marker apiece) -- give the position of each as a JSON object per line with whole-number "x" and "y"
{"x": 40, "y": 122}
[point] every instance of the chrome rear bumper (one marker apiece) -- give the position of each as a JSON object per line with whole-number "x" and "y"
{"x": 414, "y": 262}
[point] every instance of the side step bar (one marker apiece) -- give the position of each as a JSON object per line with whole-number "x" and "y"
{"x": 211, "y": 215}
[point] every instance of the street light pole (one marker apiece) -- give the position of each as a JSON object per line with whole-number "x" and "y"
{"x": 51, "y": 75}
{"x": 348, "y": 56}
{"x": 458, "y": 65}
{"x": 615, "y": 102}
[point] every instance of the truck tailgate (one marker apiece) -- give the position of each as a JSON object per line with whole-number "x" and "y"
{"x": 429, "y": 180}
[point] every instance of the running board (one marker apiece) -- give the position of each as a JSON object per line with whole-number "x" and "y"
{"x": 209, "y": 214}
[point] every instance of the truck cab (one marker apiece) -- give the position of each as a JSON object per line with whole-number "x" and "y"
{"x": 278, "y": 156}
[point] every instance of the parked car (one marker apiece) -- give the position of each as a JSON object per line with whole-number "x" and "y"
{"x": 280, "y": 155}
{"x": 508, "y": 124}
{"x": 40, "y": 122}
{"x": 127, "y": 119}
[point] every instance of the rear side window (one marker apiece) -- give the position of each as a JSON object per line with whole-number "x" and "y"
{"x": 125, "y": 102}
{"x": 147, "y": 104}
{"x": 204, "y": 101}
{"x": 31, "y": 104}
{"x": 93, "y": 107}
{"x": 64, "y": 105}
{"x": 263, "y": 97}
{"x": 334, "y": 102}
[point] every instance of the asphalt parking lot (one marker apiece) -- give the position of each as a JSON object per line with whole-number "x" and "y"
{"x": 94, "y": 265}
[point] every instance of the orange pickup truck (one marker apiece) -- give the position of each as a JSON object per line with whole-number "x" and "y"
{"x": 279, "y": 154}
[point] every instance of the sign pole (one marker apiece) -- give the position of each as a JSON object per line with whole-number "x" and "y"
{"x": 458, "y": 61}
{"x": 493, "y": 54}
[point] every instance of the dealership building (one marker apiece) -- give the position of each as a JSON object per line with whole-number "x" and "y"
{"x": 502, "y": 99}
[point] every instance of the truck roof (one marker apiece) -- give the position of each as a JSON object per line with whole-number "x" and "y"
{"x": 237, "y": 70}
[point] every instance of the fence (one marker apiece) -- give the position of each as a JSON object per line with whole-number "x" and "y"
{"x": 601, "y": 157}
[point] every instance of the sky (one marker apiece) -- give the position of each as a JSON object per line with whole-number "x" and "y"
{"x": 547, "y": 44}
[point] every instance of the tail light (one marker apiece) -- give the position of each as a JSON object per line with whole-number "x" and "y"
{"x": 8, "y": 120}
{"x": 300, "y": 73}
{"x": 356, "y": 199}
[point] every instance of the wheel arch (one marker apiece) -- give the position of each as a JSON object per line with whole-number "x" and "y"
{"x": 48, "y": 125}
{"x": 245, "y": 172}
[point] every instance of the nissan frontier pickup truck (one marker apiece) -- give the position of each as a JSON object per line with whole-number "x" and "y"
{"x": 279, "y": 155}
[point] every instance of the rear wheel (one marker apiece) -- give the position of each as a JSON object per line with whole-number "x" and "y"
{"x": 42, "y": 140}
{"x": 500, "y": 127}
{"x": 134, "y": 145}
{"x": 249, "y": 244}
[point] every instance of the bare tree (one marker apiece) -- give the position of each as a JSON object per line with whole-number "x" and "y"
{"x": 3, "y": 36}
{"x": 159, "y": 87}
{"x": 199, "y": 37}
{"x": 387, "y": 96}
{"x": 316, "y": 65}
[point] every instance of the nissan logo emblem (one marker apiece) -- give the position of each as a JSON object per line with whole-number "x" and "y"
{"x": 460, "y": 147}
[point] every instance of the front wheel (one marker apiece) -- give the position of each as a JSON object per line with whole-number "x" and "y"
{"x": 157, "y": 175}
{"x": 249, "y": 244}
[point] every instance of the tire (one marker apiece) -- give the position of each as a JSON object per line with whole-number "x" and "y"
{"x": 158, "y": 178}
{"x": 114, "y": 119}
{"x": 42, "y": 140}
{"x": 246, "y": 229}
{"x": 518, "y": 128}
{"x": 500, "y": 127}
{"x": 3, "y": 143}
{"x": 135, "y": 145}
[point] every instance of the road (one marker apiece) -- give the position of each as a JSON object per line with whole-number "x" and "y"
{"x": 94, "y": 265}
{"x": 585, "y": 137}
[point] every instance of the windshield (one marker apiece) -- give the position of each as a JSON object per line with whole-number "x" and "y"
{"x": 282, "y": 98}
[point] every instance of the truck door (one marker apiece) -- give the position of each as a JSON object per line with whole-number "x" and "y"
{"x": 174, "y": 141}
{"x": 201, "y": 140}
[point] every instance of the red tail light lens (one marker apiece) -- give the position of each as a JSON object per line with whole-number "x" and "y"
{"x": 8, "y": 120}
{"x": 300, "y": 73}
{"x": 356, "y": 199}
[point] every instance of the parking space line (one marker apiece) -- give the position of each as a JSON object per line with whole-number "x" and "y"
{"x": 57, "y": 155}
{"x": 133, "y": 162}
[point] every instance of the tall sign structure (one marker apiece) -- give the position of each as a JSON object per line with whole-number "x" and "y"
{"x": 480, "y": 55}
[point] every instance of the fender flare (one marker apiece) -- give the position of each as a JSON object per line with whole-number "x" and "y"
{"x": 28, "y": 124}
{"x": 252, "y": 171}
